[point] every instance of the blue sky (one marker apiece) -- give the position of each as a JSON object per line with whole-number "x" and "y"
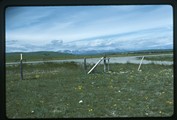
{"x": 89, "y": 28}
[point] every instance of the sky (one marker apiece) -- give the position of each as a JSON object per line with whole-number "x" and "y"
{"x": 59, "y": 28}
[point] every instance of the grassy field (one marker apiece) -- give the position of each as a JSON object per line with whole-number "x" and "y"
{"x": 160, "y": 58}
{"x": 44, "y": 56}
{"x": 54, "y": 90}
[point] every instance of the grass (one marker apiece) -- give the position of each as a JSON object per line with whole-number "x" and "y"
{"x": 44, "y": 56}
{"x": 56, "y": 90}
{"x": 37, "y": 56}
{"x": 159, "y": 58}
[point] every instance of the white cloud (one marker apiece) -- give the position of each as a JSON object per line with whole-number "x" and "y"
{"x": 39, "y": 26}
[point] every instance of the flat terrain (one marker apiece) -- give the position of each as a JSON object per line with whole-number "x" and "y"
{"x": 155, "y": 58}
{"x": 47, "y": 56}
{"x": 57, "y": 90}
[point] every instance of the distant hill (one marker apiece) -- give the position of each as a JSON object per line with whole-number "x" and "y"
{"x": 94, "y": 52}
{"x": 59, "y": 55}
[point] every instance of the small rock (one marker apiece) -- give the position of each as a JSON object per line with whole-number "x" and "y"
{"x": 80, "y": 101}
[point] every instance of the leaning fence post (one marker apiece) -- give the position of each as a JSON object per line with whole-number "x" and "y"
{"x": 140, "y": 63}
{"x": 95, "y": 66}
{"x": 85, "y": 65}
{"x": 21, "y": 67}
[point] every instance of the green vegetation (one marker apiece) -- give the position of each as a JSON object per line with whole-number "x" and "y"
{"x": 44, "y": 56}
{"x": 37, "y": 56}
{"x": 160, "y": 58}
{"x": 53, "y": 90}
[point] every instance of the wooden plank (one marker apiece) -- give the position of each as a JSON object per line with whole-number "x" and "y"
{"x": 95, "y": 66}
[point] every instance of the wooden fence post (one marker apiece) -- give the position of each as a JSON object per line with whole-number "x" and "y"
{"x": 108, "y": 64}
{"x": 104, "y": 60}
{"x": 85, "y": 65}
{"x": 21, "y": 67}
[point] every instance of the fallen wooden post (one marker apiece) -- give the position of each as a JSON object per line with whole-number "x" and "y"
{"x": 95, "y": 66}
